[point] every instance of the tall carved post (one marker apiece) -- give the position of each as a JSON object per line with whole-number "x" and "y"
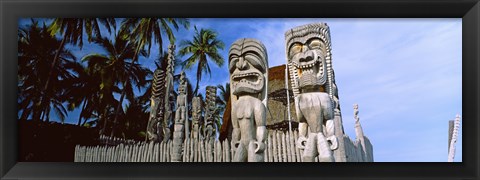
{"x": 451, "y": 150}
{"x": 156, "y": 105}
{"x": 210, "y": 97}
{"x": 187, "y": 122}
{"x": 359, "y": 132}
{"x": 309, "y": 62}
{"x": 248, "y": 66}
{"x": 180, "y": 119}
{"x": 358, "y": 126}
{"x": 167, "y": 117}
{"x": 209, "y": 131}
{"x": 196, "y": 116}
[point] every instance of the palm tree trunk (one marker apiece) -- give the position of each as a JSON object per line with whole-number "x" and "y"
{"x": 81, "y": 112}
{"x": 85, "y": 121}
{"x": 122, "y": 96}
{"x": 104, "y": 117}
{"x": 25, "y": 114}
{"x": 48, "y": 116}
{"x": 42, "y": 100}
{"x": 42, "y": 118}
{"x": 37, "y": 112}
{"x": 195, "y": 93}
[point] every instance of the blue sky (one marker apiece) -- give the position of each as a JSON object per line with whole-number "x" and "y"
{"x": 405, "y": 74}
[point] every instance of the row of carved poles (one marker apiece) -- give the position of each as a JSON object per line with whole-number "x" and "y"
{"x": 280, "y": 147}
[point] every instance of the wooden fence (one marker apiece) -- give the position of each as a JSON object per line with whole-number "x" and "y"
{"x": 107, "y": 140}
{"x": 280, "y": 147}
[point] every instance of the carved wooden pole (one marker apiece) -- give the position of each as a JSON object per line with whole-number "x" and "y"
{"x": 228, "y": 157}
{"x": 288, "y": 100}
{"x": 279, "y": 146}
{"x": 167, "y": 117}
{"x": 180, "y": 119}
{"x": 274, "y": 147}
{"x": 224, "y": 154}
{"x": 209, "y": 132}
{"x": 359, "y": 133}
{"x": 187, "y": 122}
{"x": 451, "y": 152}
{"x": 287, "y": 146}
{"x": 270, "y": 149}
{"x": 210, "y": 106}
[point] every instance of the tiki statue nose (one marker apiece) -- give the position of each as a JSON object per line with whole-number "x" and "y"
{"x": 241, "y": 63}
{"x": 307, "y": 56}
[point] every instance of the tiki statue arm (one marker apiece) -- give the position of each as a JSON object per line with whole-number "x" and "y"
{"x": 236, "y": 129}
{"x": 302, "y": 126}
{"x": 329, "y": 123}
{"x": 260, "y": 121}
{"x": 302, "y": 132}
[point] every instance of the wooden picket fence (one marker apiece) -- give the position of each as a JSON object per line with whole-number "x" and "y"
{"x": 280, "y": 147}
{"x": 107, "y": 140}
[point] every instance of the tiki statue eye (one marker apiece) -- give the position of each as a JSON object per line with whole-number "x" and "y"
{"x": 294, "y": 49}
{"x": 233, "y": 62}
{"x": 315, "y": 44}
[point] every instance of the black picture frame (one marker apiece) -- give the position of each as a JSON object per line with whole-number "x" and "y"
{"x": 468, "y": 10}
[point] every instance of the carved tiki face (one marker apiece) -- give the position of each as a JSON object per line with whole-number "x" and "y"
{"x": 196, "y": 109}
{"x": 210, "y": 97}
{"x": 182, "y": 87}
{"x": 248, "y": 66}
{"x": 307, "y": 51}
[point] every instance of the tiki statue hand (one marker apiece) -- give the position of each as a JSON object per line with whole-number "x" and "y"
{"x": 333, "y": 142}
{"x": 301, "y": 142}
{"x": 260, "y": 146}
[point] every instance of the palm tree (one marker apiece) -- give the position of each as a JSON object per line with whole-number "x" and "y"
{"x": 203, "y": 48}
{"x": 135, "y": 110}
{"x": 221, "y": 101}
{"x": 141, "y": 31}
{"x": 114, "y": 67}
{"x": 99, "y": 98}
{"x": 84, "y": 91}
{"x": 224, "y": 95}
{"x": 72, "y": 31}
{"x": 28, "y": 59}
{"x": 36, "y": 49}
